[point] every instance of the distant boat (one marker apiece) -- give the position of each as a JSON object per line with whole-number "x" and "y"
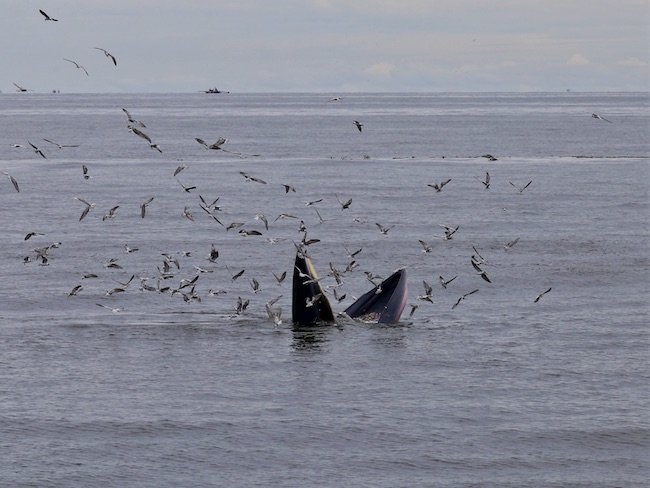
{"x": 214, "y": 90}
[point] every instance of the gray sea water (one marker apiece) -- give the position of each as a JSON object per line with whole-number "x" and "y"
{"x": 175, "y": 388}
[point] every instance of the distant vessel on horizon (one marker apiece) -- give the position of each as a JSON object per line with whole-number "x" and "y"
{"x": 214, "y": 90}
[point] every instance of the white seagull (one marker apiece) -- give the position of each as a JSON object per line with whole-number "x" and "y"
{"x": 108, "y": 55}
{"x": 76, "y": 64}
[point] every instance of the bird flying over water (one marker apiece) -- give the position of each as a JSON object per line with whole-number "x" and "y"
{"x": 438, "y": 186}
{"x": 20, "y": 88}
{"x": 521, "y": 189}
{"x": 596, "y": 116}
{"x": 537, "y": 298}
{"x": 144, "y": 205}
{"x": 131, "y": 119}
{"x": 47, "y": 17}
{"x": 60, "y": 146}
{"x": 107, "y": 54}
{"x": 37, "y": 150}
{"x": 486, "y": 183}
{"x": 359, "y": 125}
{"x": 76, "y": 64}
{"x": 13, "y": 180}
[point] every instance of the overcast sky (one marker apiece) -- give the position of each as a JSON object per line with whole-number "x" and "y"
{"x": 331, "y": 46}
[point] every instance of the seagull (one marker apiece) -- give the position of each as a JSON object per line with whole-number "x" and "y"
{"x": 60, "y": 146}
{"x": 111, "y": 213}
{"x": 444, "y": 282}
{"x": 214, "y": 254}
{"x": 486, "y": 183}
{"x": 335, "y": 99}
{"x": 107, "y": 54}
{"x": 382, "y": 229}
{"x": 75, "y": 290}
{"x": 233, "y": 277}
{"x": 144, "y": 136}
{"x": 438, "y": 186}
{"x": 280, "y": 278}
{"x": 20, "y": 88}
{"x": 186, "y": 189}
{"x": 359, "y": 125}
{"x": 131, "y": 119}
{"x": 463, "y": 298}
{"x": 313, "y": 202}
{"x": 87, "y": 209}
{"x": 252, "y": 178}
{"x": 521, "y": 188}
{"x": 13, "y": 180}
{"x": 428, "y": 292}
{"x": 263, "y": 218}
{"x": 274, "y": 314}
{"x": 76, "y": 64}
{"x": 114, "y": 310}
{"x": 84, "y": 169}
{"x": 596, "y": 116}
{"x": 489, "y": 157}
{"x": 37, "y": 150}
{"x": 425, "y": 247}
{"x": 187, "y": 214}
{"x": 511, "y": 243}
{"x": 288, "y": 188}
{"x": 47, "y": 17}
{"x": 144, "y": 205}
{"x": 449, "y": 232}
{"x": 180, "y": 168}
{"x": 29, "y": 235}
{"x": 344, "y": 205}
{"x": 537, "y": 298}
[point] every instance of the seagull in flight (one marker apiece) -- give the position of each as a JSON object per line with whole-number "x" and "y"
{"x": 20, "y": 88}
{"x": 13, "y": 181}
{"x": 47, "y": 17}
{"x": 521, "y": 188}
{"x": 359, "y": 125}
{"x": 37, "y": 150}
{"x": 76, "y": 64}
{"x": 486, "y": 183}
{"x": 537, "y": 298}
{"x": 596, "y": 116}
{"x": 438, "y": 186}
{"x": 131, "y": 119}
{"x": 463, "y": 298}
{"x": 60, "y": 146}
{"x": 108, "y": 55}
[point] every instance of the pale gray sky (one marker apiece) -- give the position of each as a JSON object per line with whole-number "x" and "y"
{"x": 326, "y": 45}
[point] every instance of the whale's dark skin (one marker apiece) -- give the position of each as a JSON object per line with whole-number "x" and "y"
{"x": 305, "y": 289}
{"x": 383, "y": 304}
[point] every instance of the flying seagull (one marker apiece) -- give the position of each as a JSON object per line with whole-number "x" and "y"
{"x": 131, "y": 119}
{"x": 596, "y": 116}
{"x": 486, "y": 183}
{"x": 537, "y": 298}
{"x": 47, "y": 17}
{"x": 13, "y": 180}
{"x": 20, "y": 88}
{"x": 37, "y": 150}
{"x": 108, "y": 55}
{"x": 359, "y": 125}
{"x": 60, "y": 146}
{"x": 438, "y": 186}
{"x": 76, "y": 64}
{"x": 144, "y": 205}
{"x": 521, "y": 188}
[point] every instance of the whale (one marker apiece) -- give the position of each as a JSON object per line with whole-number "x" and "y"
{"x": 309, "y": 304}
{"x": 384, "y": 303}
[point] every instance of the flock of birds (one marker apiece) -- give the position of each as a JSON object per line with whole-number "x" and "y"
{"x": 187, "y": 286}
{"x": 169, "y": 269}
{"x": 49, "y": 18}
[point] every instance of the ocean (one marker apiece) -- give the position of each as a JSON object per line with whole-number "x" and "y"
{"x": 128, "y": 359}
